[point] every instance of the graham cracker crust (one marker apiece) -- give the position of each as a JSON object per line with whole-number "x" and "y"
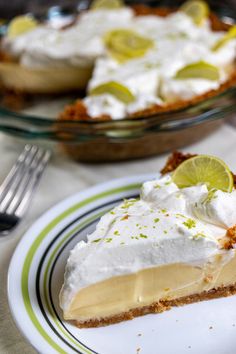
{"x": 78, "y": 112}
{"x": 159, "y": 307}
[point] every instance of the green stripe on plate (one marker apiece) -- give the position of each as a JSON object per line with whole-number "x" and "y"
{"x": 45, "y": 288}
{"x": 33, "y": 249}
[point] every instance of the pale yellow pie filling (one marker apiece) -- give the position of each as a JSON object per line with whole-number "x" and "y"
{"x": 44, "y": 80}
{"x": 122, "y": 293}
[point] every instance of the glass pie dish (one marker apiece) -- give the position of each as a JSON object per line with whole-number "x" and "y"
{"x": 35, "y": 117}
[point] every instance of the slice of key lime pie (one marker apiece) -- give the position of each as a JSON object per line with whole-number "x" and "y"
{"x": 171, "y": 246}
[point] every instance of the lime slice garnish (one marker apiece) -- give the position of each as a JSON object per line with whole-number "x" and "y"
{"x": 20, "y": 25}
{"x": 200, "y": 70}
{"x": 106, "y": 4}
{"x": 198, "y": 10}
{"x": 205, "y": 169}
{"x": 121, "y": 92}
{"x": 125, "y": 44}
{"x": 231, "y": 34}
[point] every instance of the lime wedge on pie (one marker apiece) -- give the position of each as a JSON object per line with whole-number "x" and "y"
{"x": 20, "y": 25}
{"x": 231, "y": 34}
{"x": 201, "y": 70}
{"x": 198, "y": 10}
{"x": 204, "y": 169}
{"x": 106, "y": 4}
{"x": 125, "y": 44}
{"x": 119, "y": 91}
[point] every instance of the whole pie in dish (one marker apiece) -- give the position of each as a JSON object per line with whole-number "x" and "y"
{"x": 172, "y": 246}
{"x": 160, "y": 60}
{"x": 138, "y": 60}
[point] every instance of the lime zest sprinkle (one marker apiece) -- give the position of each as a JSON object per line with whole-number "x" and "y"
{"x": 134, "y": 237}
{"x": 97, "y": 240}
{"x": 168, "y": 183}
{"x": 143, "y": 236}
{"x": 210, "y": 196}
{"x": 163, "y": 211}
{"x": 189, "y": 223}
{"x": 199, "y": 235}
{"x": 128, "y": 203}
{"x": 156, "y": 220}
{"x": 112, "y": 222}
{"x": 180, "y": 215}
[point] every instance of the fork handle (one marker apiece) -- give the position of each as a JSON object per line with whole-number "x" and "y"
{"x": 7, "y": 222}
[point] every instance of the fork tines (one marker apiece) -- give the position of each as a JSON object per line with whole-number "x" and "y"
{"x": 19, "y": 185}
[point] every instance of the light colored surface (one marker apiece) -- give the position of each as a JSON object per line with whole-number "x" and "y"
{"x": 63, "y": 178}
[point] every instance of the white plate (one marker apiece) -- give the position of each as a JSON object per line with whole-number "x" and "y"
{"x": 36, "y": 275}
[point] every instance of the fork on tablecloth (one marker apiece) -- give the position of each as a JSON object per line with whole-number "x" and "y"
{"x": 19, "y": 186}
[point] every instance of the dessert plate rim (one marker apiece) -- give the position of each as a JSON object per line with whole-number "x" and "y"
{"x": 35, "y": 274}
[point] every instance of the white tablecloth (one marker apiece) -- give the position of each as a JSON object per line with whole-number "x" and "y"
{"x": 64, "y": 177}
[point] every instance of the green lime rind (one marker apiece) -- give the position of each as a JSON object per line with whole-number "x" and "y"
{"x": 200, "y": 70}
{"x": 20, "y": 25}
{"x": 121, "y": 92}
{"x": 106, "y": 4}
{"x": 204, "y": 169}
{"x": 231, "y": 34}
{"x": 124, "y": 44}
{"x": 198, "y": 10}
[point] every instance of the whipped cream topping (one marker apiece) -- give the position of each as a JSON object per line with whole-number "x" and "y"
{"x": 178, "y": 41}
{"x": 151, "y": 78}
{"x": 78, "y": 45}
{"x": 166, "y": 225}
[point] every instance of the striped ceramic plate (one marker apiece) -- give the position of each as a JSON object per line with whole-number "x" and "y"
{"x": 36, "y": 275}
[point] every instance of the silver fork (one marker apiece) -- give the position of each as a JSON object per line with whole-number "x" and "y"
{"x": 18, "y": 187}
